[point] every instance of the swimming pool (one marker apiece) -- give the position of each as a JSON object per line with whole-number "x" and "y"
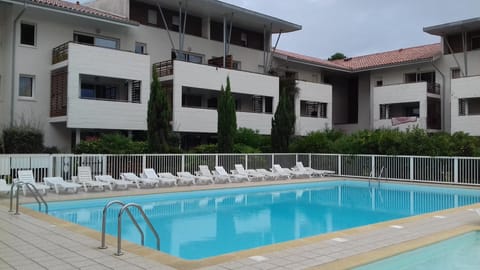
{"x": 201, "y": 224}
{"x": 457, "y": 253}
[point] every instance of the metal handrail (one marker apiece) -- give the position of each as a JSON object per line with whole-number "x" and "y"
{"x": 104, "y": 221}
{"x": 33, "y": 190}
{"x": 119, "y": 227}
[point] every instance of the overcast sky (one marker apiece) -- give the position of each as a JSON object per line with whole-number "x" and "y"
{"x": 358, "y": 27}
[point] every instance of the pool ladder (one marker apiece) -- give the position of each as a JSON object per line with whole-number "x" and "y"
{"x": 125, "y": 208}
{"x": 372, "y": 175}
{"x": 31, "y": 187}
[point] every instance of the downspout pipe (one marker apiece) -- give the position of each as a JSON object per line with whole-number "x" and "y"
{"x": 443, "y": 93}
{"x": 14, "y": 40}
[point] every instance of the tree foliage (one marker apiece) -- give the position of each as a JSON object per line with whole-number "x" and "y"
{"x": 283, "y": 123}
{"x": 158, "y": 118}
{"x": 110, "y": 144}
{"x": 227, "y": 119}
{"x": 22, "y": 140}
{"x": 337, "y": 56}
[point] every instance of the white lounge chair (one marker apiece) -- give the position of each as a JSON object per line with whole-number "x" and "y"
{"x": 139, "y": 182}
{"x": 151, "y": 174}
{"x": 61, "y": 185}
{"x": 179, "y": 180}
{"x": 5, "y": 188}
{"x": 186, "y": 176}
{"x": 84, "y": 177}
{"x": 205, "y": 171}
{"x": 26, "y": 176}
{"x": 296, "y": 174}
{"x": 313, "y": 172}
{"x": 281, "y": 172}
{"x": 113, "y": 182}
{"x": 268, "y": 175}
{"x": 251, "y": 174}
{"x": 232, "y": 177}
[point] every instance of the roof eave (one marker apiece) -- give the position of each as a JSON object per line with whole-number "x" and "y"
{"x": 446, "y": 28}
{"x": 74, "y": 12}
{"x": 401, "y": 64}
{"x": 310, "y": 63}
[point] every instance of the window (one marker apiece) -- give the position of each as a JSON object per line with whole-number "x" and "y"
{"x": 384, "y": 111}
{"x": 26, "y": 86}
{"x": 152, "y": 16}
{"x": 313, "y": 109}
{"x": 237, "y": 65}
{"x": 176, "y": 21}
{"x": 462, "y": 107}
{"x": 379, "y": 83}
{"x": 257, "y": 104}
{"x": 27, "y": 34}
{"x": 456, "y": 73}
{"x": 103, "y": 42}
{"x": 244, "y": 39}
{"x": 475, "y": 42}
{"x": 140, "y": 48}
{"x": 268, "y": 104}
{"x": 189, "y": 57}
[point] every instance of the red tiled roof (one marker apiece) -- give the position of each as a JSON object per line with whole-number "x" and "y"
{"x": 78, "y": 8}
{"x": 401, "y": 56}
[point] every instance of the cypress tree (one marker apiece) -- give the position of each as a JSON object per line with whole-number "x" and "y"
{"x": 283, "y": 123}
{"x": 158, "y": 117}
{"x": 227, "y": 119}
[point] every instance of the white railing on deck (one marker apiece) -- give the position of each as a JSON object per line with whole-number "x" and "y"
{"x": 458, "y": 170}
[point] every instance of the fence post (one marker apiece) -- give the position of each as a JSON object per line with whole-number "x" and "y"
{"x": 273, "y": 159}
{"x": 310, "y": 160}
{"x": 372, "y": 171}
{"x": 339, "y": 164}
{"x": 183, "y": 163}
{"x": 216, "y": 159}
{"x": 104, "y": 165}
{"x": 455, "y": 170}
{"x": 246, "y": 161}
{"x": 144, "y": 162}
{"x": 50, "y": 166}
{"x": 412, "y": 169}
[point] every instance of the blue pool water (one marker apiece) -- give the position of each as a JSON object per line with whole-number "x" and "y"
{"x": 195, "y": 225}
{"x": 457, "y": 253}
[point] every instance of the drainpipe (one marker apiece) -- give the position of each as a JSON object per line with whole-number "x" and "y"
{"x": 443, "y": 93}
{"x": 14, "y": 40}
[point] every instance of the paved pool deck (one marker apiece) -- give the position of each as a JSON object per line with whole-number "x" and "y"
{"x": 33, "y": 240}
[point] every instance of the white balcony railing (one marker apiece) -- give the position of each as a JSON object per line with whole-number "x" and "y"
{"x": 450, "y": 170}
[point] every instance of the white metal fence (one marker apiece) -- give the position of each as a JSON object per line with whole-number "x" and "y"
{"x": 460, "y": 170}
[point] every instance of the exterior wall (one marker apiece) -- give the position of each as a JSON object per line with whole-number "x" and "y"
{"x": 207, "y": 77}
{"x": 468, "y": 87}
{"x": 83, "y": 113}
{"x": 51, "y": 32}
{"x": 313, "y": 92}
{"x": 401, "y": 93}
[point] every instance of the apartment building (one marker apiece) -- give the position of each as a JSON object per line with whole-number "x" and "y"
{"x": 81, "y": 70}
{"x": 435, "y": 87}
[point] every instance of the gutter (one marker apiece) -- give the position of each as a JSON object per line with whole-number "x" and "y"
{"x": 14, "y": 49}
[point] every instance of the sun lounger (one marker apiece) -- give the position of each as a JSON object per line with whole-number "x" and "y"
{"x": 281, "y": 172}
{"x": 205, "y": 171}
{"x": 232, "y": 177}
{"x": 251, "y": 174}
{"x": 61, "y": 185}
{"x": 268, "y": 175}
{"x": 113, "y": 182}
{"x": 139, "y": 182}
{"x": 296, "y": 174}
{"x": 313, "y": 172}
{"x": 84, "y": 177}
{"x": 27, "y": 177}
{"x": 186, "y": 176}
{"x": 151, "y": 174}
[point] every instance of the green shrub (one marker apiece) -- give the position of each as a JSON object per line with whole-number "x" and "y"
{"x": 251, "y": 138}
{"x": 205, "y": 149}
{"x": 111, "y": 144}
{"x": 22, "y": 140}
{"x": 316, "y": 142}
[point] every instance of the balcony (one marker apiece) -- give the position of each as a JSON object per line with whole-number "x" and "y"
{"x": 406, "y": 106}
{"x": 313, "y": 105}
{"x": 96, "y": 87}
{"x": 165, "y": 68}
{"x": 465, "y": 105}
{"x": 195, "y": 88}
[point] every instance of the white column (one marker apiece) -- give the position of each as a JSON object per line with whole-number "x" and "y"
{"x": 77, "y": 136}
